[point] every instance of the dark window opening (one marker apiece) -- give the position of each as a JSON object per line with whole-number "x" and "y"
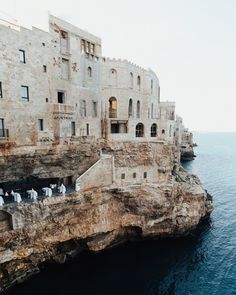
{"x": 139, "y": 82}
{"x": 119, "y": 127}
{"x": 40, "y": 124}
{"x": 46, "y": 99}
{"x": 2, "y": 128}
{"x": 123, "y": 176}
{"x": 44, "y": 68}
{"x": 163, "y": 131}
{"x": 139, "y": 130}
{"x": 1, "y": 89}
{"x": 134, "y": 175}
{"x": 60, "y": 97}
{"x": 90, "y": 72}
{"x": 138, "y": 109}
{"x": 95, "y": 110}
{"x": 154, "y": 130}
{"x": 114, "y": 128}
{"x": 145, "y": 175}
{"x": 87, "y": 129}
{"x": 73, "y": 131}
{"x": 43, "y": 44}
{"x": 130, "y": 110}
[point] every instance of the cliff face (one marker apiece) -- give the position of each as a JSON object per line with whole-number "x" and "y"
{"x": 59, "y": 227}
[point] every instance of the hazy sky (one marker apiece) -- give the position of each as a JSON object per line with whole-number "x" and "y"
{"x": 190, "y": 44}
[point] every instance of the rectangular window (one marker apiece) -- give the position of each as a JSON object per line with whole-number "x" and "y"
{"x": 0, "y": 89}
{"x": 87, "y": 47}
{"x": 73, "y": 131}
{"x": 24, "y": 92}
{"x": 65, "y": 69}
{"x": 61, "y": 97}
{"x": 95, "y": 110}
{"x": 134, "y": 175}
{"x": 22, "y": 56}
{"x": 82, "y": 46}
{"x": 123, "y": 176}
{"x": 40, "y": 124}
{"x": 87, "y": 129}
{"x": 83, "y": 108}
{"x": 2, "y": 127}
{"x": 64, "y": 42}
{"x": 92, "y": 48}
{"x": 44, "y": 68}
{"x": 145, "y": 175}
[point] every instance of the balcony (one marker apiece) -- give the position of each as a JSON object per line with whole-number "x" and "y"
{"x": 62, "y": 109}
{"x": 4, "y": 133}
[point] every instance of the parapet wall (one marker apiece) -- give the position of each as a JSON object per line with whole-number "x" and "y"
{"x": 98, "y": 175}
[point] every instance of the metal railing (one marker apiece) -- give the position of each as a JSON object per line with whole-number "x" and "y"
{"x": 4, "y": 133}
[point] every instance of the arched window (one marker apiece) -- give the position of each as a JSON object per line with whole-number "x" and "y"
{"x": 130, "y": 110}
{"x": 131, "y": 81}
{"x": 90, "y": 72}
{"x": 112, "y": 107}
{"x": 113, "y": 77}
{"x": 139, "y": 130}
{"x": 154, "y": 130}
{"x": 139, "y": 82}
{"x": 138, "y": 109}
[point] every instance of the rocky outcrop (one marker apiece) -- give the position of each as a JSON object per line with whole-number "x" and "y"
{"x": 60, "y": 227}
{"x": 47, "y": 162}
{"x": 187, "y": 154}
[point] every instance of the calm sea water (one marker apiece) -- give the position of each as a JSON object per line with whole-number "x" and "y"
{"x": 201, "y": 264}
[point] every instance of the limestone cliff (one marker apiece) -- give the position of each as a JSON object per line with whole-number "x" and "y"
{"x": 60, "y": 227}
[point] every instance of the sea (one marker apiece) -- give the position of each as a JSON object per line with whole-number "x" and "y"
{"x": 203, "y": 263}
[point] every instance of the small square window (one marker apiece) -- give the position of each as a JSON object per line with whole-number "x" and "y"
{"x": 145, "y": 175}
{"x": 43, "y": 44}
{"x": 123, "y": 176}
{"x": 134, "y": 175}
{"x": 44, "y": 68}
{"x": 24, "y": 92}
{"x": 22, "y": 56}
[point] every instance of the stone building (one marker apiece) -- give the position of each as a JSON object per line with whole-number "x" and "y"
{"x": 57, "y": 91}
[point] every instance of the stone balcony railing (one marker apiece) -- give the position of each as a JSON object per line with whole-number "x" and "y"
{"x": 66, "y": 109}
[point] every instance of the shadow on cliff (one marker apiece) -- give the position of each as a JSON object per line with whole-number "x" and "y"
{"x": 137, "y": 267}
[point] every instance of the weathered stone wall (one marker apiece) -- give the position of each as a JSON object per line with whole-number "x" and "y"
{"x": 98, "y": 175}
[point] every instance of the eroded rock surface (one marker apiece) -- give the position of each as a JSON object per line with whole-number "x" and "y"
{"x": 60, "y": 227}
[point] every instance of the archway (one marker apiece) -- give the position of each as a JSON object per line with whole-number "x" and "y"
{"x": 140, "y": 130}
{"x": 112, "y": 107}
